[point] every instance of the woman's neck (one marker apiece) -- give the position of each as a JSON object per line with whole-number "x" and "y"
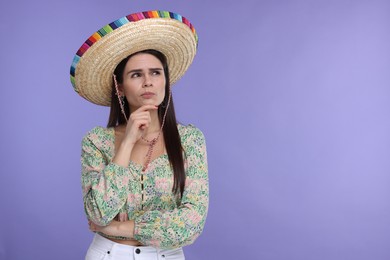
{"x": 154, "y": 124}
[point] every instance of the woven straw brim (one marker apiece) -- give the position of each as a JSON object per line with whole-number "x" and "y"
{"x": 94, "y": 70}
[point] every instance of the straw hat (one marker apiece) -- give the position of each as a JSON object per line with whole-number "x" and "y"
{"x": 94, "y": 63}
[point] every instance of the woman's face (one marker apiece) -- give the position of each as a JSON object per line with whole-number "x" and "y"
{"x": 143, "y": 81}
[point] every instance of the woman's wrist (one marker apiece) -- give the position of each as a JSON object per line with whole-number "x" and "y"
{"x": 122, "y": 156}
{"x": 126, "y": 228}
{"x": 115, "y": 228}
{"x": 127, "y": 143}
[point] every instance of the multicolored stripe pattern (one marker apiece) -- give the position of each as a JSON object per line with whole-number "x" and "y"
{"x": 118, "y": 23}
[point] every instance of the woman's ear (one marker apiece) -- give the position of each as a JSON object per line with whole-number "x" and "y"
{"x": 120, "y": 90}
{"x": 118, "y": 87}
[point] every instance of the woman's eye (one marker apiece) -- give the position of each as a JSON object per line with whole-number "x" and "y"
{"x": 156, "y": 72}
{"x": 135, "y": 75}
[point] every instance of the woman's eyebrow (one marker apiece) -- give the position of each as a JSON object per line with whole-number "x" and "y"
{"x": 140, "y": 70}
{"x": 134, "y": 71}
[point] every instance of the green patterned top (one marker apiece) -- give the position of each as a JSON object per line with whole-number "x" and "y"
{"x": 162, "y": 219}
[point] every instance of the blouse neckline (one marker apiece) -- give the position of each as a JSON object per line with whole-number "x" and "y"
{"x": 136, "y": 165}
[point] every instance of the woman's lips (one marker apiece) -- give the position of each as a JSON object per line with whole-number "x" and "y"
{"x": 148, "y": 95}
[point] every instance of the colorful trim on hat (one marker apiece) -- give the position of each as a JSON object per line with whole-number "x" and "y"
{"x": 118, "y": 23}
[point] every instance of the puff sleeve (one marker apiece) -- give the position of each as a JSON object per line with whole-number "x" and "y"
{"x": 182, "y": 225}
{"x": 104, "y": 184}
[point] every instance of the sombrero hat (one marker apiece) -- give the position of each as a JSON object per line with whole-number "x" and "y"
{"x": 94, "y": 63}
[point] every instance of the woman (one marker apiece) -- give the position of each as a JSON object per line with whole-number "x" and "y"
{"x": 144, "y": 177}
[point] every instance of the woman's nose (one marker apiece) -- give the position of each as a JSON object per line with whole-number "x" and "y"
{"x": 147, "y": 82}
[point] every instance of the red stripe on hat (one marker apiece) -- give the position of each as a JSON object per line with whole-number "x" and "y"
{"x": 83, "y": 49}
{"x": 132, "y": 17}
{"x": 186, "y": 21}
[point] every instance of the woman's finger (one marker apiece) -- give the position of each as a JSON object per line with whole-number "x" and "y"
{"x": 123, "y": 216}
{"x": 141, "y": 117}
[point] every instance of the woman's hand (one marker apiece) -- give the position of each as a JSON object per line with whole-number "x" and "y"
{"x": 122, "y": 216}
{"x": 115, "y": 228}
{"x": 138, "y": 122}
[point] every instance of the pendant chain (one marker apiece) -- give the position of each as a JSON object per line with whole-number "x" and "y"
{"x": 153, "y": 142}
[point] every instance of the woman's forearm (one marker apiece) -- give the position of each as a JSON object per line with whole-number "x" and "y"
{"x": 115, "y": 228}
{"x": 122, "y": 156}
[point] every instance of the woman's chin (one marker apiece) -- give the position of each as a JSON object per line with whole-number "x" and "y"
{"x": 146, "y": 102}
{"x": 149, "y": 102}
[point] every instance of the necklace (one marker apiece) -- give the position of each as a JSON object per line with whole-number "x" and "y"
{"x": 153, "y": 142}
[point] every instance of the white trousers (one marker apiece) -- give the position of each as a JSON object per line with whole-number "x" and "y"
{"x": 102, "y": 248}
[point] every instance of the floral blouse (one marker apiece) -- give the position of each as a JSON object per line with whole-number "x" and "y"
{"x": 162, "y": 219}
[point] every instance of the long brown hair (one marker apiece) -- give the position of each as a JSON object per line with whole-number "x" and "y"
{"x": 170, "y": 131}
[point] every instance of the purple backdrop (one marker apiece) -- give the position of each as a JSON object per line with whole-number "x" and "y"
{"x": 293, "y": 98}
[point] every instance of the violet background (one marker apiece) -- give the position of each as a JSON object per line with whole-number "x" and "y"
{"x": 292, "y": 96}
